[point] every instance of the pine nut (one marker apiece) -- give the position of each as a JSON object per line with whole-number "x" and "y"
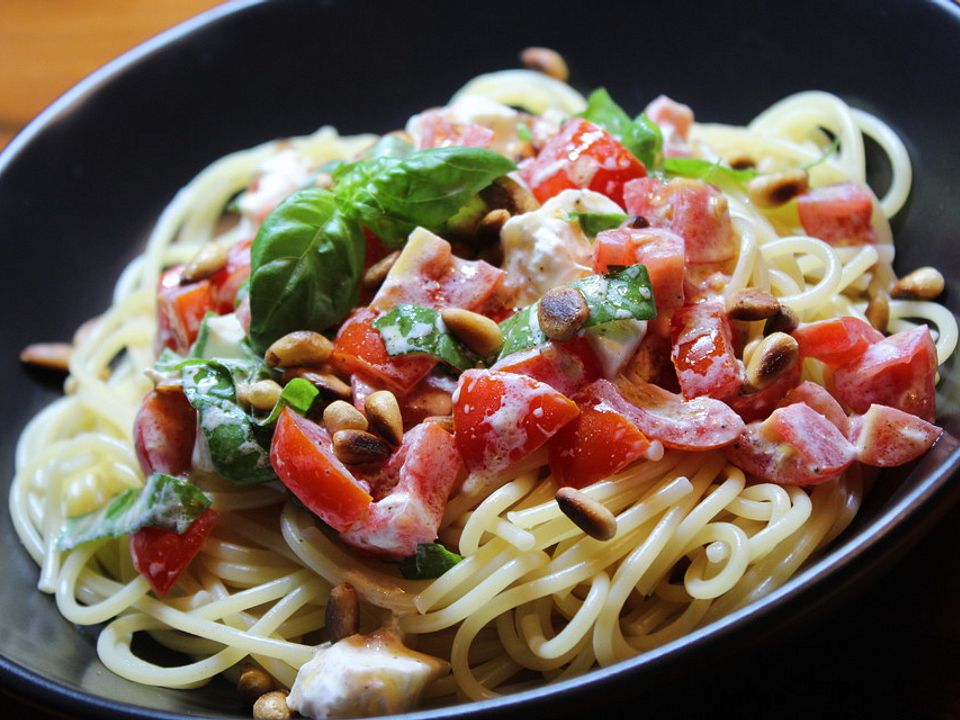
{"x": 924, "y": 283}
{"x": 383, "y": 412}
{"x": 272, "y": 706}
{"x": 377, "y": 273}
{"x": 480, "y": 334}
{"x": 53, "y": 356}
{"x": 164, "y": 383}
{"x": 775, "y": 354}
{"x": 776, "y": 189}
{"x": 488, "y": 229}
{"x": 328, "y": 384}
{"x": 587, "y": 514}
{"x": 547, "y": 61}
{"x": 752, "y": 304}
{"x": 740, "y": 161}
{"x": 355, "y": 447}
{"x": 444, "y": 421}
{"x": 253, "y": 683}
{"x": 785, "y": 321}
{"x": 263, "y": 395}
{"x": 210, "y": 258}
{"x": 508, "y": 194}
{"x": 562, "y": 312}
{"x": 342, "y": 614}
{"x": 302, "y": 347}
{"x": 341, "y": 415}
{"x": 85, "y": 330}
{"x": 878, "y": 311}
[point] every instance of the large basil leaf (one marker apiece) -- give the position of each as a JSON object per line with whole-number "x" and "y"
{"x": 431, "y": 561}
{"x": 306, "y": 264}
{"x": 411, "y": 328}
{"x": 164, "y": 501}
{"x": 641, "y": 136}
{"x": 521, "y": 331}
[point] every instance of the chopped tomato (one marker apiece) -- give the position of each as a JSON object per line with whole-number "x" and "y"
{"x": 581, "y": 155}
{"x": 181, "y": 309}
{"x": 437, "y": 131}
{"x": 794, "y": 446}
{"x": 703, "y": 352}
{"x": 887, "y": 437}
{"x": 501, "y": 417}
{"x": 675, "y": 120}
{"x": 693, "y": 209}
{"x": 227, "y": 281}
{"x": 758, "y": 405}
{"x": 164, "y": 433}
{"x": 899, "y": 371}
{"x": 661, "y": 251}
{"x": 564, "y": 366}
{"x": 837, "y": 341}
{"x": 819, "y": 398}
{"x": 838, "y": 214}
{"x": 302, "y": 456}
{"x": 161, "y": 555}
{"x": 359, "y": 348}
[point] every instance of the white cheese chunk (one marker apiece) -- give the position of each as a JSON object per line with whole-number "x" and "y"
{"x": 224, "y": 338}
{"x": 614, "y": 343}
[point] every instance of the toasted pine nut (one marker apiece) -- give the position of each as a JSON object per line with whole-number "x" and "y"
{"x": 164, "y": 383}
{"x": 85, "y": 330}
{"x": 785, "y": 321}
{"x": 479, "y": 333}
{"x": 740, "y": 161}
{"x": 770, "y": 191}
{"x": 488, "y": 229}
{"x": 510, "y": 195}
{"x": 444, "y": 421}
{"x": 752, "y": 304}
{"x": 327, "y": 383}
{"x": 342, "y": 612}
{"x": 263, "y": 395}
{"x": 302, "y": 347}
{"x": 547, "y": 61}
{"x": 53, "y": 356}
{"x": 376, "y": 273}
{"x": 272, "y": 706}
{"x": 924, "y": 283}
{"x": 587, "y": 514}
{"x": 383, "y": 412}
{"x": 562, "y": 312}
{"x": 253, "y": 683}
{"x": 210, "y": 258}
{"x": 356, "y": 447}
{"x": 775, "y": 354}
{"x": 341, "y": 415}
{"x": 878, "y": 310}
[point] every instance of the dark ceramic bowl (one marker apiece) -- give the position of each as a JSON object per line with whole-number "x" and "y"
{"x": 81, "y": 187}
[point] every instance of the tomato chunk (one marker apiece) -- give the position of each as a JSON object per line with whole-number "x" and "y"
{"x": 820, "y": 399}
{"x": 581, "y": 155}
{"x": 899, "y": 371}
{"x": 661, "y": 251}
{"x": 838, "y": 214}
{"x": 181, "y": 309}
{"x": 228, "y": 280}
{"x": 161, "y": 555}
{"x": 675, "y": 120}
{"x": 302, "y": 456}
{"x": 694, "y": 210}
{"x": 164, "y": 433}
{"x": 794, "y": 446}
{"x": 703, "y": 353}
{"x": 758, "y": 405}
{"x": 564, "y": 366}
{"x": 887, "y": 437}
{"x": 837, "y": 341}
{"x": 436, "y": 130}
{"x": 501, "y": 417}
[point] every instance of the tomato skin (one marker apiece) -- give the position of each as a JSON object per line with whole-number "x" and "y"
{"x": 501, "y": 417}
{"x": 819, "y": 398}
{"x": 227, "y": 281}
{"x": 437, "y": 131}
{"x": 180, "y": 310}
{"x": 836, "y": 342}
{"x": 302, "y": 456}
{"x": 887, "y": 437}
{"x": 675, "y": 120}
{"x": 661, "y": 251}
{"x": 703, "y": 352}
{"x": 581, "y": 155}
{"x": 161, "y": 555}
{"x": 565, "y": 366}
{"x": 164, "y": 433}
{"x": 838, "y": 214}
{"x": 758, "y": 405}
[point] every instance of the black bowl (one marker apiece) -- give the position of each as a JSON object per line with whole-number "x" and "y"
{"x": 82, "y": 185}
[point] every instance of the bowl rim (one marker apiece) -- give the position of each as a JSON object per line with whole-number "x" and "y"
{"x": 859, "y": 556}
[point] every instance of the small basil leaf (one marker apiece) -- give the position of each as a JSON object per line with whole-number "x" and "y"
{"x": 411, "y": 328}
{"x": 431, "y": 561}
{"x": 521, "y": 331}
{"x": 298, "y": 394}
{"x": 594, "y": 223}
{"x": 641, "y": 136}
{"x": 624, "y": 294}
{"x": 705, "y": 170}
{"x": 164, "y": 501}
{"x": 523, "y": 132}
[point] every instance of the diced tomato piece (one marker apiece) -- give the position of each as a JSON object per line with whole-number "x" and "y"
{"x": 675, "y": 120}
{"x": 887, "y": 437}
{"x": 181, "y": 309}
{"x": 837, "y": 341}
{"x": 699, "y": 424}
{"x": 820, "y": 399}
{"x": 302, "y": 456}
{"x": 758, "y": 405}
{"x": 359, "y": 348}
{"x": 564, "y": 366}
{"x": 694, "y": 210}
{"x": 227, "y": 281}
{"x": 501, "y": 417}
{"x": 597, "y": 444}
{"x": 161, "y": 555}
{"x": 425, "y": 469}
{"x": 437, "y": 131}
{"x": 899, "y": 371}
{"x": 164, "y": 433}
{"x": 794, "y": 446}
{"x": 661, "y": 251}
{"x": 703, "y": 352}
{"x": 838, "y": 214}
{"x": 581, "y": 155}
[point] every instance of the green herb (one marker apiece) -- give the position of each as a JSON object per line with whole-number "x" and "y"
{"x": 411, "y": 328}
{"x": 392, "y": 146}
{"x": 298, "y": 394}
{"x": 523, "y": 132}
{"x": 706, "y": 170}
{"x": 431, "y": 561}
{"x": 593, "y": 224}
{"x": 641, "y": 136}
{"x": 521, "y": 331}
{"x": 831, "y": 149}
{"x": 164, "y": 501}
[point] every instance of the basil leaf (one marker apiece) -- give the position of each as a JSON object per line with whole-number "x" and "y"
{"x": 392, "y": 146}
{"x": 706, "y": 170}
{"x": 521, "y": 331}
{"x": 391, "y": 196}
{"x": 431, "y": 561}
{"x": 624, "y": 294}
{"x": 523, "y": 132}
{"x": 411, "y": 328}
{"x": 298, "y": 394}
{"x": 641, "y": 136}
{"x": 594, "y": 223}
{"x": 164, "y": 501}
{"x": 168, "y": 361}
{"x": 306, "y": 264}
